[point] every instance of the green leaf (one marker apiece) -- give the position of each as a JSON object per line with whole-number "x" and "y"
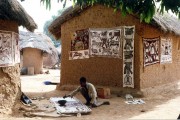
{"x": 162, "y": 9}
{"x": 123, "y": 10}
{"x": 48, "y": 3}
{"x": 74, "y": 1}
{"x": 129, "y": 10}
{"x": 64, "y": 4}
{"x": 142, "y": 17}
{"x": 115, "y": 9}
{"x": 148, "y": 16}
{"x": 144, "y": 8}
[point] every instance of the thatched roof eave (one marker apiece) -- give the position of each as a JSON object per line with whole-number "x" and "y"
{"x": 38, "y": 41}
{"x": 69, "y": 13}
{"x": 12, "y": 10}
{"x": 166, "y": 22}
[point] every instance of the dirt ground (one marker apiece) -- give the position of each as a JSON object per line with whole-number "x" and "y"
{"x": 162, "y": 106}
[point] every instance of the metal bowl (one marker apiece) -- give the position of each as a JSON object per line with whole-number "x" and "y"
{"x": 62, "y": 102}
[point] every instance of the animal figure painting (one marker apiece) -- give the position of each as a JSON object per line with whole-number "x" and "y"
{"x": 151, "y": 50}
{"x": 166, "y": 50}
{"x": 128, "y": 56}
{"x": 105, "y": 42}
{"x": 81, "y": 54}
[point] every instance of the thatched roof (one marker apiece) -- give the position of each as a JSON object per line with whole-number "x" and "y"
{"x": 50, "y": 44}
{"x": 166, "y": 22}
{"x": 59, "y": 49}
{"x": 12, "y": 10}
{"x": 69, "y": 13}
{"x": 39, "y": 41}
{"x": 52, "y": 58}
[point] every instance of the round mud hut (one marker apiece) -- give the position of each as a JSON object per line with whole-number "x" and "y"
{"x": 12, "y": 15}
{"x": 34, "y": 47}
{"x": 141, "y": 63}
{"x": 51, "y": 60}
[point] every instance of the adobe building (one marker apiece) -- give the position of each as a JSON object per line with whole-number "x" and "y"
{"x": 108, "y": 72}
{"x": 12, "y": 15}
{"x": 34, "y": 48}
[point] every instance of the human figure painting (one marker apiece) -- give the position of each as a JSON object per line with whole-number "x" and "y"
{"x": 166, "y": 50}
{"x": 128, "y": 56}
{"x": 151, "y": 50}
{"x": 80, "y": 40}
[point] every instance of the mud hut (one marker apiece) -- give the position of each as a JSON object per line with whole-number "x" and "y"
{"x": 12, "y": 15}
{"x": 103, "y": 71}
{"x": 35, "y": 46}
{"x": 52, "y": 59}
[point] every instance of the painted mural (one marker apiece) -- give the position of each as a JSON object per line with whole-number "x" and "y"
{"x": 80, "y": 40}
{"x": 151, "y": 50}
{"x": 105, "y": 42}
{"x": 81, "y": 54}
{"x": 79, "y": 45}
{"x": 128, "y": 56}
{"x": 16, "y": 47}
{"x": 166, "y": 50}
{"x": 9, "y": 49}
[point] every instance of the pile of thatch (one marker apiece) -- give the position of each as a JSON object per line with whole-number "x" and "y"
{"x": 12, "y": 10}
{"x": 166, "y": 22}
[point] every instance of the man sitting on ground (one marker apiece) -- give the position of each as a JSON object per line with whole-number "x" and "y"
{"x": 88, "y": 91}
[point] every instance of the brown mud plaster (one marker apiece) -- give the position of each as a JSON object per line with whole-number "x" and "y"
{"x": 10, "y": 88}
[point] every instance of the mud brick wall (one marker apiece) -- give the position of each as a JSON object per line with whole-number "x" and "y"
{"x": 108, "y": 71}
{"x": 159, "y": 74}
{"x": 9, "y": 77}
{"x": 32, "y": 57}
{"x": 98, "y": 70}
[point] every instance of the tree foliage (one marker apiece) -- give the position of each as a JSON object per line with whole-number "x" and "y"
{"x": 144, "y": 8}
{"x": 46, "y": 25}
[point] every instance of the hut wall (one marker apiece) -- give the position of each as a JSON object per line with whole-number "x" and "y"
{"x": 49, "y": 61}
{"x": 32, "y": 57}
{"x": 159, "y": 74}
{"x": 9, "y": 77}
{"x": 98, "y": 70}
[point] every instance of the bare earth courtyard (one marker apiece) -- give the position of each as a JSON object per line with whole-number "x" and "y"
{"x": 162, "y": 106}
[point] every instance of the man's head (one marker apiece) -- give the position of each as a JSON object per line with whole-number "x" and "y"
{"x": 83, "y": 81}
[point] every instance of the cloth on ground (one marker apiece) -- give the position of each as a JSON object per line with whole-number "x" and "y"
{"x": 137, "y": 101}
{"x": 73, "y": 105}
